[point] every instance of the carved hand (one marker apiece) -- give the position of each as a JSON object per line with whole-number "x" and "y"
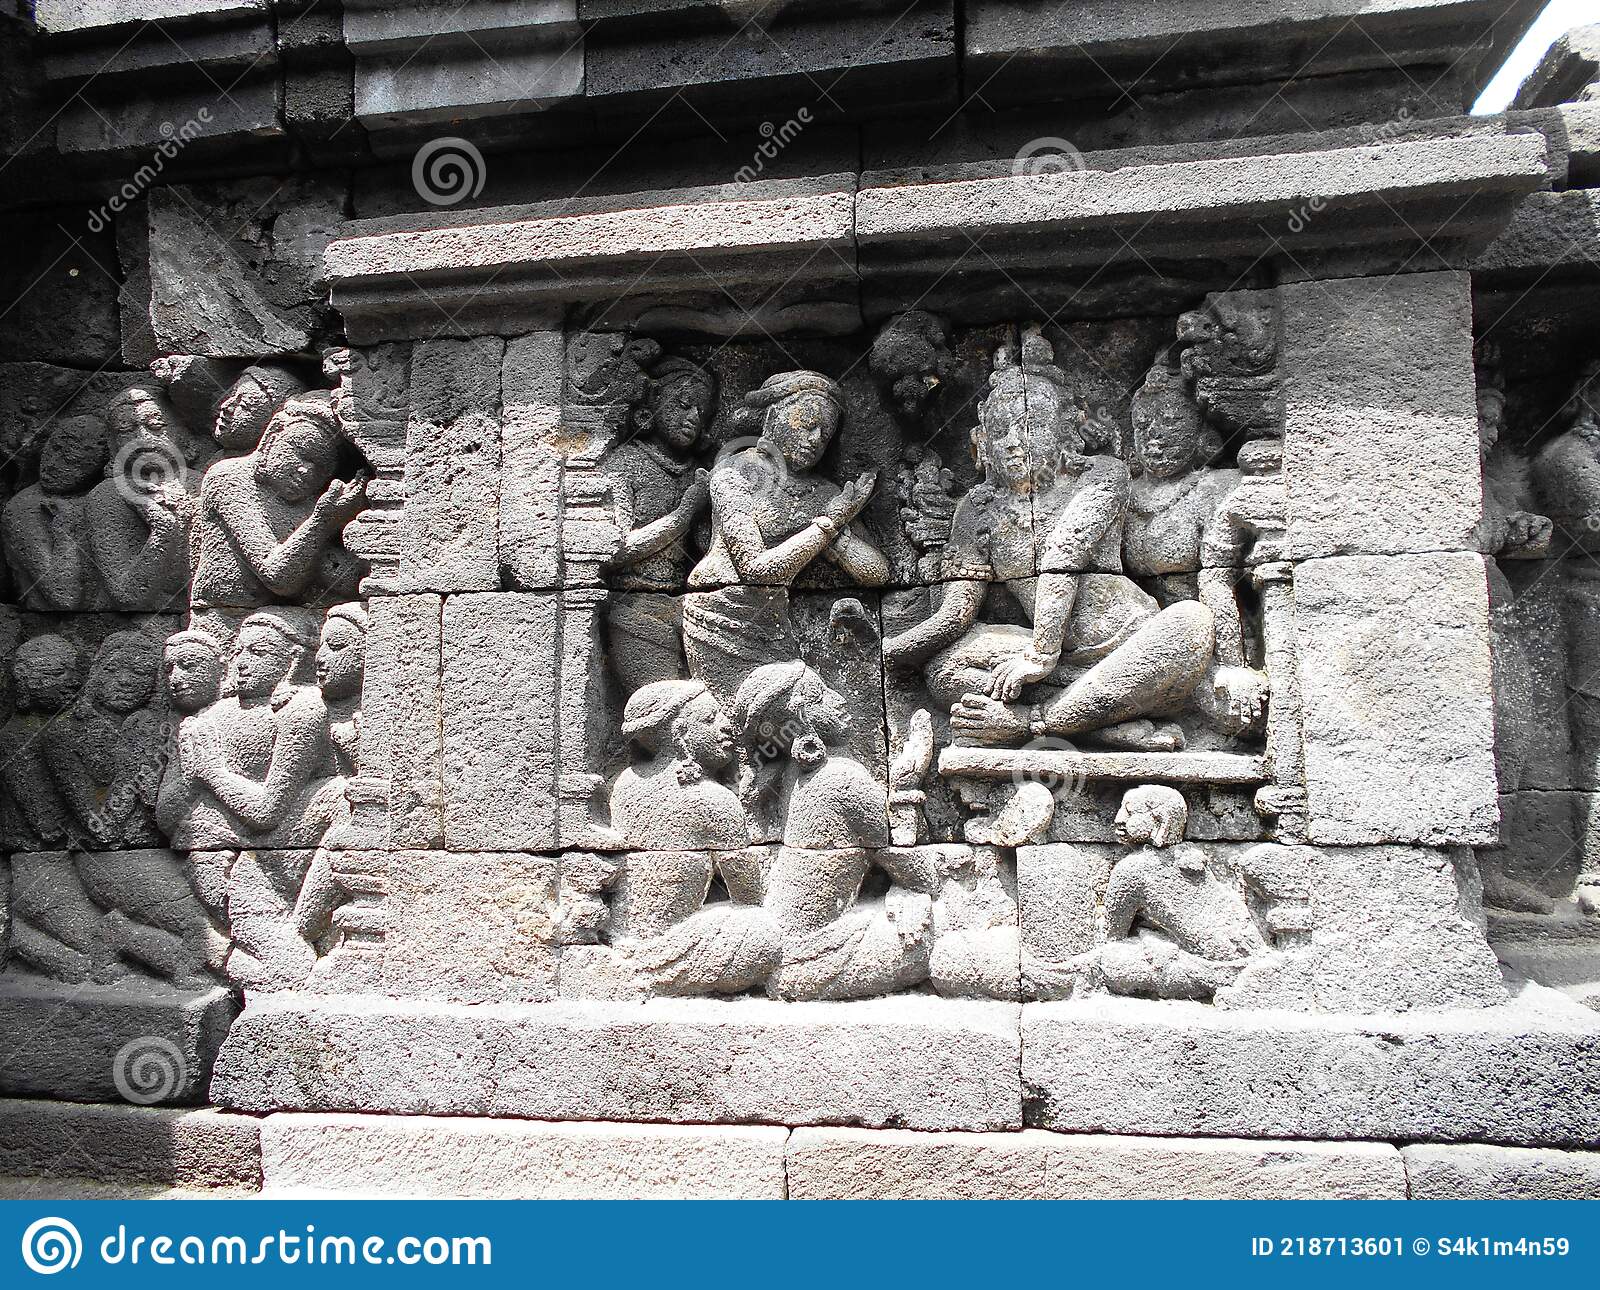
{"x": 694, "y": 498}
{"x": 852, "y": 498}
{"x": 1011, "y": 674}
{"x": 342, "y": 499}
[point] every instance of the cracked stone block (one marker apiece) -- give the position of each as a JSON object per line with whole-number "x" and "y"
{"x": 235, "y": 268}
{"x": 530, "y": 476}
{"x": 402, "y": 722}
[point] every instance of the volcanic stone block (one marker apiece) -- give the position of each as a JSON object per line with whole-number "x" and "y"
{"x": 1380, "y": 439}
{"x": 1568, "y": 67}
{"x": 1059, "y": 890}
{"x": 94, "y": 1043}
{"x": 530, "y": 479}
{"x": 198, "y": 1149}
{"x": 523, "y": 1159}
{"x": 913, "y": 1061}
{"x": 59, "y": 280}
{"x": 235, "y": 269}
{"x": 401, "y": 714}
{"x": 1557, "y": 232}
{"x": 452, "y": 472}
{"x": 1393, "y": 660}
{"x": 893, "y": 1164}
{"x": 501, "y": 653}
{"x": 1526, "y": 1073}
{"x": 1501, "y": 1173}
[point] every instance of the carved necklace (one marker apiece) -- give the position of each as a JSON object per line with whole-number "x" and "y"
{"x": 1171, "y": 499}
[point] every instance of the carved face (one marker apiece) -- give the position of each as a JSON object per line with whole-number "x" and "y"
{"x": 705, "y": 734}
{"x": 46, "y": 674}
{"x": 142, "y": 412}
{"x": 194, "y": 675}
{"x": 826, "y": 708}
{"x": 1151, "y": 815}
{"x": 679, "y": 413}
{"x": 243, "y": 415}
{"x": 261, "y": 660}
{"x": 802, "y": 426}
{"x": 1017, "y": 437}
{"x": 296, "y": 462}
{"x": 1167, "y": 434}
{"x": 341, "y": 657}
{"x": 123, "y": 677}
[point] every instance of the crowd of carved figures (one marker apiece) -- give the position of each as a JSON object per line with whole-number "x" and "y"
{"x": 825, "y": 753}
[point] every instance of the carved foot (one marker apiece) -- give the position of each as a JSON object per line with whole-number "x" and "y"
{"x": 1140, "y": 736}
{"x": 979, "y": 719}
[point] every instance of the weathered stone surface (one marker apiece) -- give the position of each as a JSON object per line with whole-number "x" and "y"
{"x": 500, "y": 755}
{"x": 918, "y": 1062}
{"x": 1524, "y": 1073}
{"x": 236, "y": 269}
{"x": 523, "y": 1159}
{"x": 91, "y": 1043}
{"x": 1550, "y": 233}
{"x": 1380, "y": 427}
{"x": 1500, "y": 1173}
{"x": 402, "y": 715}
{"x": 60, "y": 282}
{"x": 1393, "y": 662}
{"x": 1568, "y": 68}
{"x": 863, "y": 1164}
{"x": 530, "y": 448}
{"x": 120, "y": 1143}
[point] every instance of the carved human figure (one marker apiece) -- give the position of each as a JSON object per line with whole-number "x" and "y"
{"x": 340, "y": 670}
{"x": 259, "y": 764}
{"x": 45, "y": 527}
{"x": 139, "y": 517}
{"x": 194, "y": 665}
{"x": 835, "y": 831}
{"x": 771, "y": 517}
{"x": 270, "y": 521}
{"x": 673, "y": 806}
{"x": 658, "y": 494}
{"x": 107, "y": 752}
{"x": 1047, "y": 525}
{"x": 1174, "y": 928}
{"x": 1566, "y": 475}
{"x": 249, "y": 405}
{"x": 47, "y": 673}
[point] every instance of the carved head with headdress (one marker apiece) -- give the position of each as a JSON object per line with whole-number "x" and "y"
{"x": 195, "y": 665}
{"x": 684, "y": 719}
{"x": 300, "y": 449}
{"x": 1028, "y": 431}
{"x": 1170, "y": 434}
{"x": 797, "y": 413}
{"x": 681, "y": 403}
{"x": 270, "y": 654}
{"x": 245, "y": 410}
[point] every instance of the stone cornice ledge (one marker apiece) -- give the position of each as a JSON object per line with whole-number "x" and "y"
{"x": 1390, "y": 201}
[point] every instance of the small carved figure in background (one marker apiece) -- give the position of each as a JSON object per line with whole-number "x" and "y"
{"x": 44, "y": 526}
{"x": 46, "y": 675}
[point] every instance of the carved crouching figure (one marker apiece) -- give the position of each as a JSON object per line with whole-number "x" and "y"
{"x": 835, "y": 832}
{"x": 673, "y": 806}
{"x": 45, "y": 529}
{"x": 1174, "y": 929}
{"x": 46, "y": 674}
{"x": 270, "y": 521}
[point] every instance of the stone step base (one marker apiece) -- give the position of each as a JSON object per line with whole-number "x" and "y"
{"x": 1526, "y": 1073}
{"x": 58, "y": 1150}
